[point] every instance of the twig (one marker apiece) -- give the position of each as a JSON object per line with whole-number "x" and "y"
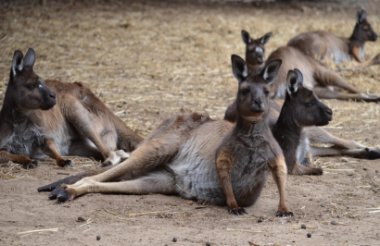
{"x": 138, "y": 214}
{"x": 36, "y": 231}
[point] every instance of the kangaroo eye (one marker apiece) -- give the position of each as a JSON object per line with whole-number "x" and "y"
{"x": 30, "y": 86}
{"x": 245, "y": 91}
{"x": 266, "y": 92}
{"x": 309, "y": 104}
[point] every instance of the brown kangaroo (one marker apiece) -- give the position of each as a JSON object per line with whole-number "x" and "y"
{"x": 80, "y": 124}
{"x": 320, "y": 44}
{"x": 324, "y": 82}
{"x": 291, "y": 128}
{"x": 195, "y": 157}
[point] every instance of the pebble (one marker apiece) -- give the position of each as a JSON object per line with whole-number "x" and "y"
{"x": 303, "y": 226}
{"x": 208, "y": 244}
{"x": 175, "y": 239}
{"x": 260, "y": 220}
{"x": 98, "y": 237}
{"x": 334, "y": 222}
{"x": 309, "y": 235}
{"x": 323, "y": 205}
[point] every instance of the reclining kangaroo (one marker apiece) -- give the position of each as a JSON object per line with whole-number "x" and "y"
{"x": 193, "y": 156}
{"x": 317, "y": 77}
{"x": 291, "y": 128}
{"x": 31, "y": 127}
{"x": 321, "y": 44}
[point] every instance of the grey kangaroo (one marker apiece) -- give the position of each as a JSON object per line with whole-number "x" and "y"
{"x": 195, "y": 157}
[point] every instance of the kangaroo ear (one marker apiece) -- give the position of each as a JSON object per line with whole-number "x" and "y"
{"x": 239, "y": 68}
{"x": 264, "y": 39}
{"x": 17, "y": 62}
{"x": 245, "y": 36}
{"x": 270, "y": 72}
{"x": 30, "y": 58}
{"x": 291, "y": 82}
{"x": 362, "y": 16}
{"x": 300, "y": 77}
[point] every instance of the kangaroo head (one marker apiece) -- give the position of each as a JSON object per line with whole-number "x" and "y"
{"x": 26, "y": 89}
{"x": 302, "y": 105}
{"x": 363, "y": 31}
{"x": 255, "y": 49}
{"x": 253, "y": 94}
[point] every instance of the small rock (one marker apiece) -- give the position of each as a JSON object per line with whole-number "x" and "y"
{"x": 323, "y": 205}
{"x": 80, "y": 218}
{"x": 175, "y": 239}
{"x": 309, "y": 235}
{"x": 261, "y": 219}
{"x": 377, "y": 171}
{"x": 303, "y": 226}
{"x": 69, "y": 74}
{"x": 190, "y": 202}
{"x": 98, "y": 237}
{"x": 334, "y": 222}
{"x": 365, "y": 169}
{"x": 208, "y": 244}
{"x": 366, "y": 140}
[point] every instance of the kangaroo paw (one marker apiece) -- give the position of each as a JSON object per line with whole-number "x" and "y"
{"x": 32, "y": 164}
{"x": 237, "y": 211}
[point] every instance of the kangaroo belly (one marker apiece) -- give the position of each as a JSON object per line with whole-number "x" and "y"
{"x": 29, "y": 139}
{"x": 338, "y": 55}
{"x": 194, "y": 167}
{"x": 196, "y": 175}
{"x": 26, "y": 140}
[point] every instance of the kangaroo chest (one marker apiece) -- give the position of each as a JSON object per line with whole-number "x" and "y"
{"x": 26, "y": 139}
{"x": 251, "y": 159}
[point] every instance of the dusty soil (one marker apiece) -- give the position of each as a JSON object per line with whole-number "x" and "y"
{"x": 148, "y": 60}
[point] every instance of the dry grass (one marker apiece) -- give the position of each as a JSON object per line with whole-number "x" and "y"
{"x": 148, "y": 60}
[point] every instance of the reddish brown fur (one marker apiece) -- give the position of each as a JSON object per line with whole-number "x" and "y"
{"x": 64, "y": 129}
{"x": 320, "y": 44}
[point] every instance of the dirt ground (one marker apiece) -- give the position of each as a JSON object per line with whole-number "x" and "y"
{"x": 150, "y": 59}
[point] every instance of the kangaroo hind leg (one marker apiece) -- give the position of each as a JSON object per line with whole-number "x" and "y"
{"x": 90, "y": 126}
{"x": 157, "y": 182}
{"x": 146, "y": 158}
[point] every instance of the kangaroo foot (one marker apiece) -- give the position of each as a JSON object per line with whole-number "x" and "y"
{"x": 112, "y": 159}
{"x": 237, "y": 211}
{"x": 31, "y": 164}
{"x": 65, "y": 163}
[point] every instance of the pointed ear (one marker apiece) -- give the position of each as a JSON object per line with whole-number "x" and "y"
{"x": 17, "y": 62}
{"x": 291, "y": 82}
{"x": 362, "y": 16}
{"x": 270, "y": 72}
{"x": 239, "y": 68}
{"x": 264, "y": 39}
{"x": 245, "y": 36}
{"x": 30, "y": 58}
{"x": 300, "y": 77}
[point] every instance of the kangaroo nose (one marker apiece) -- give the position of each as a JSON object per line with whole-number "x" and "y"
{"x": 329, "y": 111}
{"x": 52, "y": 95}
{"x": 259, "y": 103}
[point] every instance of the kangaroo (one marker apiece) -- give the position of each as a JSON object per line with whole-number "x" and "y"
{"x": 255, "y": 50}
{"x": 195, "y": 157}
{"x": 50, "y": 118}
{"x": 300, "y": 109}
{"x": 291, "y": 127}
{"x": 324, "y": 82}
{"x": 321, "y": 44}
